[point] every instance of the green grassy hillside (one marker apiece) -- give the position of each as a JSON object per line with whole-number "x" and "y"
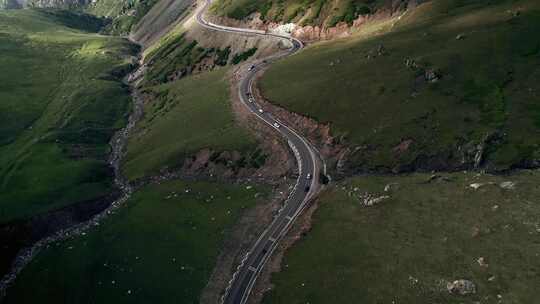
{"x": 429, "y": 232}
{"x": 303, "y": 12}
{"x": 59, "y": 107}
{"x": 446, "y": 83}
{"x": 160, "y": 248}
{"x": 183, "y": 118}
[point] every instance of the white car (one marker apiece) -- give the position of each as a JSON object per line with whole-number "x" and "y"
{"x": 276, "y": 125}
{"x": 250, "y": 100}
{"x": 308, "y": 176}
{"x": 261, "y": 111}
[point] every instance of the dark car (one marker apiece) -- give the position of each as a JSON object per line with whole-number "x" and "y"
{"x": 306, "y": 189}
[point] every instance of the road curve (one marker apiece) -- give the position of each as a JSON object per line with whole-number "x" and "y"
{"x": 244, "y": 278}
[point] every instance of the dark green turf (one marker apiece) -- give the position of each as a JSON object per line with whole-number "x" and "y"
{"x": 160, "y": 248}
{"x": 408, "y": 247}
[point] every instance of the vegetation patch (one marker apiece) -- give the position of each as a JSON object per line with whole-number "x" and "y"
{"x": 176, "y": 57}
{"x": 407, "y": 239}
{"x": 162, "y": 245}
{"x": 243, "y": 56}
{"x": 350, "y": 12}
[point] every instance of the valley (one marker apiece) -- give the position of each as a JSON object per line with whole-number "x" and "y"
{"x": 239, "y": 151}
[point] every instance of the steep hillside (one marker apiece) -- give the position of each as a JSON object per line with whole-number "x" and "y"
{"x": 159, "y": 20}
{"x": 124, "y": 14}
{"x": 62, "y": 99}
{"x": 448, "y": 86}
{"x": 56, "y": 105}
{"x": 312, "y": 12}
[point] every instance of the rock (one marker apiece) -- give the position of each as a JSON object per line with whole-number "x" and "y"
{"x": 284, "y": 29}
{"x": 413, "y": 280}
{"x": 461, "y": 287}
{"x": 390, "y": 186}
{"x": 431, "y": 75}
{"x": 475, "y": 231}
{"x": 403, "y": 146}
{"x": 381, "y": 50}
{"x": 410, "y": 63}
{"x": 482, "y": 262}
{"x": 371, "y": 201}
{"x": 476, "y": 186}
{"x": 479, "y": 156}
{"x": 508, "y": 185}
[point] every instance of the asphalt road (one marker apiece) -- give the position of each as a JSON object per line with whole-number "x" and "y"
{"x": 244, "y": 278}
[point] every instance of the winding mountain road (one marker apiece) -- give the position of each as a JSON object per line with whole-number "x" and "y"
{"x": 306, "y": 185}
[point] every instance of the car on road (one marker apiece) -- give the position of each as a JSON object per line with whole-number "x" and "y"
{"x": 276, "y": 125}
{"x": 261, "y": 111}
{"x": 250, "y": 99}
{"x": 251, "y": 67}
{"x": 308, "y": 176}
{"x": 306, "y": 189}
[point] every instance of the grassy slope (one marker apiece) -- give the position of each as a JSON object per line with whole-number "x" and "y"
{"x": 124, "y": 13}
{"x": 305, "y": 12}
{"x": 186, "y": 116}
{"x": 424, "y": 232}
{"x": 160, "y": 247}
{"x": 57, "y": 112}
{"x": 489, "y": 82}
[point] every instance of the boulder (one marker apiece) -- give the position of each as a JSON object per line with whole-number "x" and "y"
{"x": 482, "y": 262}
{"x": 461, "y": 287}
{"x": 508, "y": 185}
{"x": 369, "y": 201}
{"x": 476, "y": 186}
{"x": 432, "y": 75}
{"x": 390, "y": 186}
